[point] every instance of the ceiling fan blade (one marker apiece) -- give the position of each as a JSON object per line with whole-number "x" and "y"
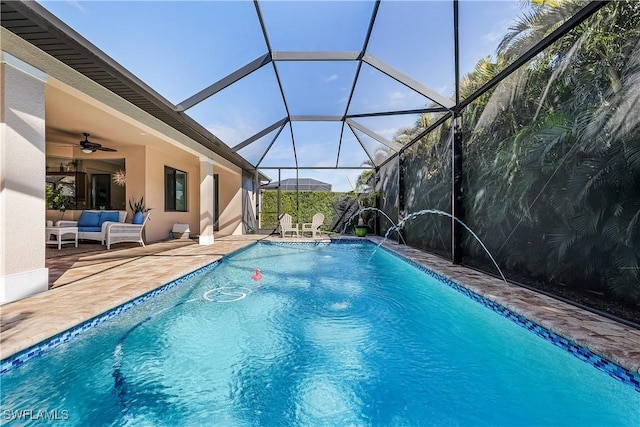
{"x": 105, "y": 149}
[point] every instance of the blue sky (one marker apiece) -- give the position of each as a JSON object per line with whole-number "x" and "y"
{"x": 180, "y": 47}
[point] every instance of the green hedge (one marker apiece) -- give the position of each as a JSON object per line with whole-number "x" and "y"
{"x": 311, "y": 202}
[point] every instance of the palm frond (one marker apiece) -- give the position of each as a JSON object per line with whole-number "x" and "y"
{"x": 585, "y": 178}
{"x": 587, "y": 222}
{"x": 632, "y": 231}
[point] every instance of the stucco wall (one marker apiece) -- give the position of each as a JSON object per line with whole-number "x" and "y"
{"x": 145, "y": 168}
{"x": 135, "y": 187}
{"x": 162, "y": 222}
{"x": 230, "y": 200}
{"x": 22, "y": 174}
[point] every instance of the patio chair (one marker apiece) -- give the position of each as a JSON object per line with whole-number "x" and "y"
{"x": 314, "y": 226}
{"x": 286, "y": 226}
{"x": 118, "y": 232}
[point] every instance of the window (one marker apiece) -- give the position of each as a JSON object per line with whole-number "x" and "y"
{"x": 175, "y": 190}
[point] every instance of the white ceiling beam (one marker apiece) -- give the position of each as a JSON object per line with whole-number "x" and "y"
{"x": 314, "y": 118}
{"x": 381, "y": 139}
{"x": 316, "y": 56}
{"x": 260, "y": 134}
{"x": 407, "y": 81}
{"x": 224, "y": 82}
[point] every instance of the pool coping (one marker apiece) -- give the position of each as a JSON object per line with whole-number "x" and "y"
{"x": 559, "y": 322}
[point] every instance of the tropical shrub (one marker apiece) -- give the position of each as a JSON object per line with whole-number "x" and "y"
{"x": 551, "y": 157}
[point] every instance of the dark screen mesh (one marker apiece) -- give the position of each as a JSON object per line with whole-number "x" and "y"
{"x": 551, "y": 168}
{"x": 427, "y": 167}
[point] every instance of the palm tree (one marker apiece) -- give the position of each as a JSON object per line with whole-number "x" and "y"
{"x": 561, "y": 160}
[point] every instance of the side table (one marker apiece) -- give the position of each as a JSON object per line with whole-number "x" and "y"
{"x": 59, "y": 232}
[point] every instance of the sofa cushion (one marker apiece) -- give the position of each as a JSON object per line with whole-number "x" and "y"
{"x": 109, "y": 216}
{"x": 89, "y": 219}
{"x": 89, "y": 229}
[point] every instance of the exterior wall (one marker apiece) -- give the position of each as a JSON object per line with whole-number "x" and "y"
{"x": 230, "y": 200}
{"x": 165, "y": 146}
{"x": 207, "y": 202}
{"x": 22, "y": 175}
{"x": 22, "y": 249}
{"x": 135, "y": 186}
{"x": 145, "y": 177}
{"x": 161, "y": 222}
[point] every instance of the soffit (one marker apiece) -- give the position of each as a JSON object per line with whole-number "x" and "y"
{"x": 34, "y": 24}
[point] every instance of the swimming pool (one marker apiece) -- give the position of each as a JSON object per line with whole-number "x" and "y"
{"x": 333, "y": 334}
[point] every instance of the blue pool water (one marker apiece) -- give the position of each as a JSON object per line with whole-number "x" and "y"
{"x": 332, "y": 335}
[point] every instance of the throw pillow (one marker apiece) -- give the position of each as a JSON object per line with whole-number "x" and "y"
{"x": 108, "y": 216}
{"x": 89, "y": 219}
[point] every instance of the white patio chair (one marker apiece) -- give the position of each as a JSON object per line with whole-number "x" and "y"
{"x": 287, "y": 226}
{"x": 314, "y": 226}
{"x": 119, "y": 232}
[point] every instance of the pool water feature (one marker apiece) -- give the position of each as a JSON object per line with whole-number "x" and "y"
{"x": 417, "y": 214}
{"x": 381, "y": 212}
{"x": 329, "y": 336}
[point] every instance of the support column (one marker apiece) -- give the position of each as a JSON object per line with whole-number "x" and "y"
{"x": 207, "y": 201}
{"x": 402, "y": 211}
{"x": 256, "y": 199}
{"x": 279, "y": 198}
{"x": 457, "y": 195}
{"x": 22, "y": 180}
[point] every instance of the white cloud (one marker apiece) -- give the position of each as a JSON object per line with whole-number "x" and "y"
{"x": 387, "y": 133}
{"x": 491, "y": 37}
{"x": 397, "y": 95}
{"x": 401, "y": 98}
{"x": 281, "y": 153}
{"x": 230, "y": 134}
{"x": 331, "y": 78}
{"x": 76, "y": 4}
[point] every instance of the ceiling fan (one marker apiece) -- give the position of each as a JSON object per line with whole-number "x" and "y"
{"x": 89, "y": 147}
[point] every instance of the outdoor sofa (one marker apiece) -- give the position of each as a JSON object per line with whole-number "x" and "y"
{"x": 92, "y": 224}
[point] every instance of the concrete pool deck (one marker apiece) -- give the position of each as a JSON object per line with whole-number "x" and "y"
{"x": 97, "y": 282}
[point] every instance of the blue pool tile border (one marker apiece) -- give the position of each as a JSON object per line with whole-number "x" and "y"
{"x": 581, "y": 352}
{"x": 64, "y": 337}
{"x": 612, "y": 369}
{"x": 23, "y": 356}
{"x": 272, "y": 243}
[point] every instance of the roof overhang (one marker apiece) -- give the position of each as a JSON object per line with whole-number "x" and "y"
{"x": 33, "y": 23}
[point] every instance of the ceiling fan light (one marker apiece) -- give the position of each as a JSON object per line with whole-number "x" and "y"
{"x": 87, "y": 150}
